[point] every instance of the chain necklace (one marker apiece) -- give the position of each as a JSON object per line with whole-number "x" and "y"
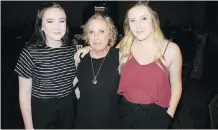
{"x": 94, "y": 81}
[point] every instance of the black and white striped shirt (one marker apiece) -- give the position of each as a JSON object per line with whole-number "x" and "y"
{"x": 52, "y": 70}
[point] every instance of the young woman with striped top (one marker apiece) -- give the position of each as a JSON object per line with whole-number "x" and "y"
{"x": 46, "y": 71}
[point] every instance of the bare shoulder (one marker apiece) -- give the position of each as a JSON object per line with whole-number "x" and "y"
{"x": 173, "y": 49}
{"x": 173, "y": 53}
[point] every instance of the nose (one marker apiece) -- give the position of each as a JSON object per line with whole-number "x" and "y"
{"x": 96, "y": 35}
{"x": 57, "y": 25}
{"x": 137, "y": 24}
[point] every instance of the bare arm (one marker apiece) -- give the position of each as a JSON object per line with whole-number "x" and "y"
{"x": 25, "y": 89}
{"x": 175, "y": 74}
{"x": 75, "y": 81}
{"x": 83, "y": 51}
{"x": 77, "y": 92}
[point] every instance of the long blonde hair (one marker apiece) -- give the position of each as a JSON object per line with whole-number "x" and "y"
{"x": 126, "y": 43}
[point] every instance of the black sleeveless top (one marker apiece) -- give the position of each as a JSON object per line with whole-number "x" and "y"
{"x": 98, "y": 103}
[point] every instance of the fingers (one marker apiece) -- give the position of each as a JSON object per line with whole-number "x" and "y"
{"x": 83, "y": 54}
{"x": 76, "y": 56}
{"x": 76, "y": 59}
{"x": 77, "y": 92}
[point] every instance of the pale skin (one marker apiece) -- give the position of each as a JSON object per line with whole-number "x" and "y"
{"x": 173, "y": 61}
{"x": 98, "y": 38}
{"x": 143, "y": 50}
{"x": 54, "y": 27}
{"x": 25, "y": 89}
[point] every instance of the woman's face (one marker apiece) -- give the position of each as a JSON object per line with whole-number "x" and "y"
{"x": 98, "y": 34}
{"x": 54, "y": 24}
{"x": 140, "y": 22}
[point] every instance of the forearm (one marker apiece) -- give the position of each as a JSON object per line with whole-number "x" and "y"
{"x": 77, "y": 92}
{"x": 176, "y": 93}
{"x": 75, "y": 81}
{"x": 25, "y": 106}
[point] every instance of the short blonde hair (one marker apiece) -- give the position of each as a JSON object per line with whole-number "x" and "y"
{"x": 110, "y": 23}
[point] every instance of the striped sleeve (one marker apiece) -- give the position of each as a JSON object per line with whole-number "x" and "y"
{"x": 24, "y": 66}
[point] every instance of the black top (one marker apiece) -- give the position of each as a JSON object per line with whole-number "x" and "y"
{"x": 52, "y": 70}
{"x": 98, "y": 103}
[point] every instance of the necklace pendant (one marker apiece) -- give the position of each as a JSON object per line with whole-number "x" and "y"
{"x": 94, "y": 81}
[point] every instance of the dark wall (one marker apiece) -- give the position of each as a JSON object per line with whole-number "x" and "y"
{"x": 177, "y": 12}
{"x": 16, "y": 13}
{"x": 211, "y": 19}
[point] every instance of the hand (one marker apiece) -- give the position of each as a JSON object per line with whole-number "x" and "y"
{"x": 29, "y": 128}
{"x": 82, "y": 51}
{"x": 170, "y": 113}
{"x": 77, "y": 92}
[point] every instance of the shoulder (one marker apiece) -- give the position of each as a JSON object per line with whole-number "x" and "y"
{"x": 84, "y": 62}
{"x": 117, "y": 52}
{"x": 27, "y": 50}
{"x": 173, "y": 52}
{"x": 85, "y": 58}
{"x": 71, "y": 48}
{"x": 173, "y": 48}
{"x": 113, "y": 49}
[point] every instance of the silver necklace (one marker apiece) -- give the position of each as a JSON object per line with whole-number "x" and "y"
{"x": 94, "y": 81}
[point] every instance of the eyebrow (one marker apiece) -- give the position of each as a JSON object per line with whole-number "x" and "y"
{"x": 144, "y": 15}
{"x": 53, "y": 19}
{"x": 140, "y": 16}
{"x": 98, "y": 29}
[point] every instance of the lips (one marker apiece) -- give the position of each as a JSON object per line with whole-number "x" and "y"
{"x": 97, "y": 43}
{"x": 58, "y": 33}
{"x": 139, "y": 31}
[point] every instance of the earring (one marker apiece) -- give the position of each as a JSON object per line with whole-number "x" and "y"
{"x": 42, "y": 29}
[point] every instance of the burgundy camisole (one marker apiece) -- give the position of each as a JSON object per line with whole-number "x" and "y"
{"x": 145, "y": 84}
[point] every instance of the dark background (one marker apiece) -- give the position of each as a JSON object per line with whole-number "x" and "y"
{"x": 17, "y": 21}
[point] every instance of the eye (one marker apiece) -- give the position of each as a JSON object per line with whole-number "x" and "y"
{"x": 144, "y": 18}
{"x": 62, "y": 21}
{"x": 49, "y": 21}
{"x": 90, "y": 32}
{"x": 132, "y": 21}
{"x": 102, "y": 31}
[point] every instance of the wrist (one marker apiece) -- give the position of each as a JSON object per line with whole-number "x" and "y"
{"x": 90, "y": 48}
{"x": 170, "y": 112}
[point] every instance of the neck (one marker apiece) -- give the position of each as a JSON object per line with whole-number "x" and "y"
{"x": 99, "y": 54}
{"x": 146, "y": 41}
{"x": 53, "y": 43}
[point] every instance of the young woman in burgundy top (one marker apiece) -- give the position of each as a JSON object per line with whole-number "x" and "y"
{"x": 150, "y": 69}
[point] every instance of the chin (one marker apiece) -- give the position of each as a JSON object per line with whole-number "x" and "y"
{"x": 140, "y": 38}
{"x": 57, "y": 38}
{"x": 99, "y": 48}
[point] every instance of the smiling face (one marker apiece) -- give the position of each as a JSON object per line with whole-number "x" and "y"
{"x": 140, "y": 22}
{"x": 98, "y": 34}
{"x": 54, "y": 24}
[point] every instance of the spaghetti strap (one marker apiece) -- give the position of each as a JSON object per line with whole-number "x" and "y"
{"x": 165, "y": 48}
